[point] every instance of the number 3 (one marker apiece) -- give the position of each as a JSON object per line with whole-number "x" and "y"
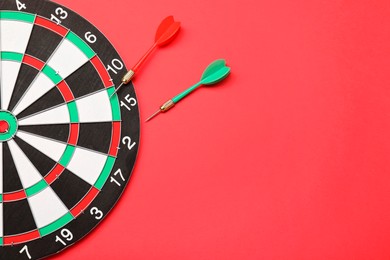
{"x": 62, "y": 13}
{"x": 97, "y": 213}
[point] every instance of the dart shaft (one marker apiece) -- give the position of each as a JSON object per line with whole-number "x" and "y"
{"x": 172, "y": 102}
{"x": 144, "y": 58}
{"x": 131, "y": 73}
{"x": 186, "y": 92}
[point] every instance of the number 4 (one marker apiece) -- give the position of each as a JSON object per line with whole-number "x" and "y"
{"x": 113, "y": 179}
{"x": 20, "y": 5}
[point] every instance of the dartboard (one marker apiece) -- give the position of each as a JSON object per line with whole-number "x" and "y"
{"x": 67, "y": 149}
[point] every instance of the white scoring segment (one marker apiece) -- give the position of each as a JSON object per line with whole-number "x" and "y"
{"x": 87, "y": 164}
{"x": 50, "y": 148}
{"x": 15, "y": 35}
{"x": 9, "y": 75}
{"x": 94, "y": 108}
{"x": 41, "y": 85}
{"x": 67, "y": 59}
{"x": 57, "y": 115}
{"x": 28, "y": 174}
{"x": 46, "y": 207}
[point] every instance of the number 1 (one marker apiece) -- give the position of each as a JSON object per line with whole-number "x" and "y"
{"x": 112, "y": 179}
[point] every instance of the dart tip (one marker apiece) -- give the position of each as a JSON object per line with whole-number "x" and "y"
{"x": 116, "y": 90}
{"x": 155, "y": 114}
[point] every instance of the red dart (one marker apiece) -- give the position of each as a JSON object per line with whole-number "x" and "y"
{"x": 166, "y": 32}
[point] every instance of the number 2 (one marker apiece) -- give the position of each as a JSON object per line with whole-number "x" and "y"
{"x": 127, "y": 140}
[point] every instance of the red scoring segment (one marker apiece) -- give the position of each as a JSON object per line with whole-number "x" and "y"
{"x": 65, "y": 91}
{"x": 74, "y": 134}
{"x": 84, "y": 203}
{"x": 14, "y": 196}
{"x": 116, "y": 132}
{"x": 4, "y": 126}
{"x": 54, "y": 174}
{"x": 33, "y": 62}
{"x": 97, "y": 63}
{"x": 17, "y": 239}
{"x": 43, "y": 22}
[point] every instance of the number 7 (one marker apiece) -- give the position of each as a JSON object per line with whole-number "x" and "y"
{"x": 112, "y": 179}
{"x": 25, "y": 249}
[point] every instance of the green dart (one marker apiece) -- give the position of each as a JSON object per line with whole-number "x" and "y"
{"x": 214, "y": 73}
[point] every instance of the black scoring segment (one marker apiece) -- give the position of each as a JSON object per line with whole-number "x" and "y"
{"x": 57, "y": 132}
{"x": 26, "y": 76}
{"x": 70, "y": 188}
{"x": 17, "y": 218}
{"x": 41, "y": 162}
{"x": 84, "y": 81}
{"x": 43, "y": 42}
{"x": 49, "y": 100}
{"x": 11, "y": 180}
{"x": 91, "y": 132}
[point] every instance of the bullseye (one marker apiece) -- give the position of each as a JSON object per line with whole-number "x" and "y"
{"x": 4, "y": 127}
{"x": 8, "y": 126}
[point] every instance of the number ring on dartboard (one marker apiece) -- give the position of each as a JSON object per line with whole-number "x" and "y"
{"x": 66, "y": 149}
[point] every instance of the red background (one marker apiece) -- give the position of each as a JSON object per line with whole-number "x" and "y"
{"x": 287, "y": 159}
